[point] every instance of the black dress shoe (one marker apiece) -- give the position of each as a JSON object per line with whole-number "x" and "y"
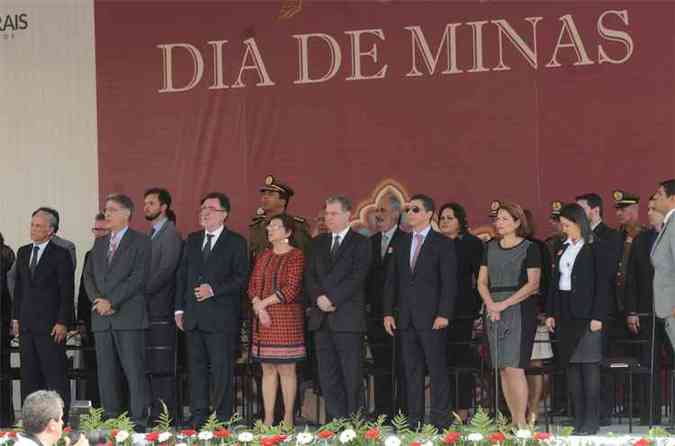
{"x": 605, "y": 422}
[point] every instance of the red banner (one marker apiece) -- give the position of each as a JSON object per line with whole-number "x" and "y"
{"x": 529, "y": 102}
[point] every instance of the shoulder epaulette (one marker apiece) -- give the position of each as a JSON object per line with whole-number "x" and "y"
{"x": 298, "y": 219}
{"x": 257, "y": 219}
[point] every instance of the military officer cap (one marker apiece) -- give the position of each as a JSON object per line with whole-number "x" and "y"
{"x": 494, "y": 207}
{"x": 623, "y": 199}
{"x": 555, "y": 209}
{"x": 271, "y": 184}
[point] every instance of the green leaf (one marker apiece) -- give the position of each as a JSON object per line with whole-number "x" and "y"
{"x": 481, "y": 422}
{"x": 213, "y": 423}
{"x": 93, "y": 420}
{"x": 400, "y": 423}
{"x": 163, "y": 423}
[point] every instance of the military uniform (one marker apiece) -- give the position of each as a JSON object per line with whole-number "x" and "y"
{"x": 554, "y": 243}
{"x": 257, "y": 228}
{"x": 628, "y": 234}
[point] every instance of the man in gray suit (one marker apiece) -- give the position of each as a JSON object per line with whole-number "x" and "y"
{"x": 663, "y": 258}
{"x": 58, "y": 241}
{"x": 115, "y": 278}
{"x": 160, "y": 294}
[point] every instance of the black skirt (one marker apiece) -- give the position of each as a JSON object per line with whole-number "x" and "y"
{"x": 576, "y": 342}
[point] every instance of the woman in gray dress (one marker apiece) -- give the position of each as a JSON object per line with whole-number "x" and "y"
{"x": 576, "y": 308}
{"x": 508, "y": 276}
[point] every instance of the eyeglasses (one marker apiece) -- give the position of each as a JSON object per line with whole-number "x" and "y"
{"x": 210, "y": 209}
{"x": 414, "y": 209}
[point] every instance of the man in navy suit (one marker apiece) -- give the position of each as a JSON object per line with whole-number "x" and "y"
{"x": 42, "y": 309}
{"x": 335, "y": 276}
{"x": 212, "y": 276}
{"x": 422, "y": 284}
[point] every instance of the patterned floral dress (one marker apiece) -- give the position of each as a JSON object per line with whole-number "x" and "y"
{"x": 281, "y": 274}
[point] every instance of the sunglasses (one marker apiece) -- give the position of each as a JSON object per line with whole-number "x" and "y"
{"x": 414, "y": 209}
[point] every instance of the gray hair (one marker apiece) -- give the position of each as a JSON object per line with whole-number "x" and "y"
{"x": 52, "y": 220}
{"x": 39, "y": 409}
{"x": 394, "y": 202}
{"x": 345, "y": 202}
{"x": 122, "y": 200}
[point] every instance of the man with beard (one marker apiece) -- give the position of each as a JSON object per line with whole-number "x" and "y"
{"x": 383, "y": 243}
{"x": 160, "y": 292}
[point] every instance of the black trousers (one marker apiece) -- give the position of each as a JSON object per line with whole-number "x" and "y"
{"x": 44, "y": 366}
{"x": 382, "y": 348}
{"x": 643, "y": 352}
{"x": 462, "y": 355}
{"x": 340, "y": 356}
{"x": 160, "y": 353}
{"x": 117, "y": 352}
{"x": 584, "y": 384}
{"x": 210, "y": 352}
{"x": 426, "y": 350}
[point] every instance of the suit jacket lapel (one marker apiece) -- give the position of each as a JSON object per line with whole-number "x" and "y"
{"x": 423, "y": 250}
{"x": 121, "y": 247}
{"x": 341, "y": 248}
{"x": 660, "y": 236}
{"x": 216, "y": 246}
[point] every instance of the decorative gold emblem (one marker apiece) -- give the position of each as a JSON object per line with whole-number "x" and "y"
{"x": 556, "y": 206}
{"x": 618, "y": 195}
{"x": 269, "y": 180}
{"x": 260, "y": 211}
{"x": 496, "y": 204}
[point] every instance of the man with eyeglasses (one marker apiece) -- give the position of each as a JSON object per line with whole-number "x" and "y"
{"x": 335, "y": 277}
{"x": 100, "y": 229}
{"x": 421, "y": 282}
{"x": 115, "y": 278}
{"x": 212, "y": 277}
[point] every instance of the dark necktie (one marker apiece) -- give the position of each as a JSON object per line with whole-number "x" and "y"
{"x": 206, "y": 252}
{"x": 334, "y": 248}
{"x": 152, "y": 232}
{"x": 34, "y": 260}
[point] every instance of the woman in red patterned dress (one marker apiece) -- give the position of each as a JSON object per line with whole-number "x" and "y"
{"x": 278, "y": 336}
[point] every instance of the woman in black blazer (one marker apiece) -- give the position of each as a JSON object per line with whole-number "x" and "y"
{"x": 576, "y": 310}
{"x": 453, "y": 223}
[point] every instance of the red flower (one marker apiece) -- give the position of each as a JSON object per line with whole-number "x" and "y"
{"x": 152, "y": 437}
{"x": 188, "y": 432}
{"x": 325, "y": 435}
{"x": 67, "y": 429}
{"x": 497, "y": 437}
{"x": 221, "y": 433}
{"x": 372, "y": 434}
{"x": 451, "y": 438}
{"x": 281, "y": 437}
{"x": 113, "y": 433}
{"x": 109, "y": 443}
{"x": 415, "y": 443}
{"x": 540, "y": 436}
{"x": 12, "y": 434}
{"x": 642, "y": 442}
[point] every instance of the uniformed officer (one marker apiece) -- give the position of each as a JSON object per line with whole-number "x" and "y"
{"x": 555, "y": 241}
{"x": 628, "y": 213}
{"x": 274, "y": 201}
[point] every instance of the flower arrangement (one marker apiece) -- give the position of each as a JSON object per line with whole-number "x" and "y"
{"x": 481, "y": 431}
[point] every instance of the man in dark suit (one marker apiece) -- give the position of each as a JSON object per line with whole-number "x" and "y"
{"x": 167, "y": 246}
{"x": 335, "y": 286}
{"x": 639, "y": 308}
{"x": 84, "y": 318}
{"x": 43, "y": 308}
{"x": 383, "y": 243}
{"x": 115, "y": 278}
{"x": 422, "y": 284}
{"x": 212, "y": 276}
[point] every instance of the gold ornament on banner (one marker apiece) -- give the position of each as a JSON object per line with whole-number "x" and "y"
{"x": 290, "y": 8}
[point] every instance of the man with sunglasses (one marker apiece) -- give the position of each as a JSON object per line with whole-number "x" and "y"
{"x": 100, "y": 229}
{"x": 421, "y": 285}
{"x": 212, "y": 277}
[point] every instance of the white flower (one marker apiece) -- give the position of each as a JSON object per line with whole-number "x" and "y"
{"x": 392, "y": 440}
{"x": 245, "y": 437}
{"x": 524, "y": 434}
{"x": 138, "y": 439}
{"x": 304, "y": 438}
{"x": 205, "y": 435}
{"x": 428, "y": 443}
{"x": 181, "y": 444}
{"x": 347, "y": 435}
{"x": 164, "y": 436}
{"x": 475, "y": 436}
{"x": 121, "y": 436}
{"x": 3, "y": 439}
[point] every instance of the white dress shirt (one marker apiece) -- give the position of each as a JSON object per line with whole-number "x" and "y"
{"x": 567, "y": 263}
{"x": 216, "y": 235}
{"x": 386, "y": 240}
{"x": 41, "y": 249}
{"x": 342, "y": 234}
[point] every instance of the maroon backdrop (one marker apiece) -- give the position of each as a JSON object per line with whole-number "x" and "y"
{"x": 527, "y": 134}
